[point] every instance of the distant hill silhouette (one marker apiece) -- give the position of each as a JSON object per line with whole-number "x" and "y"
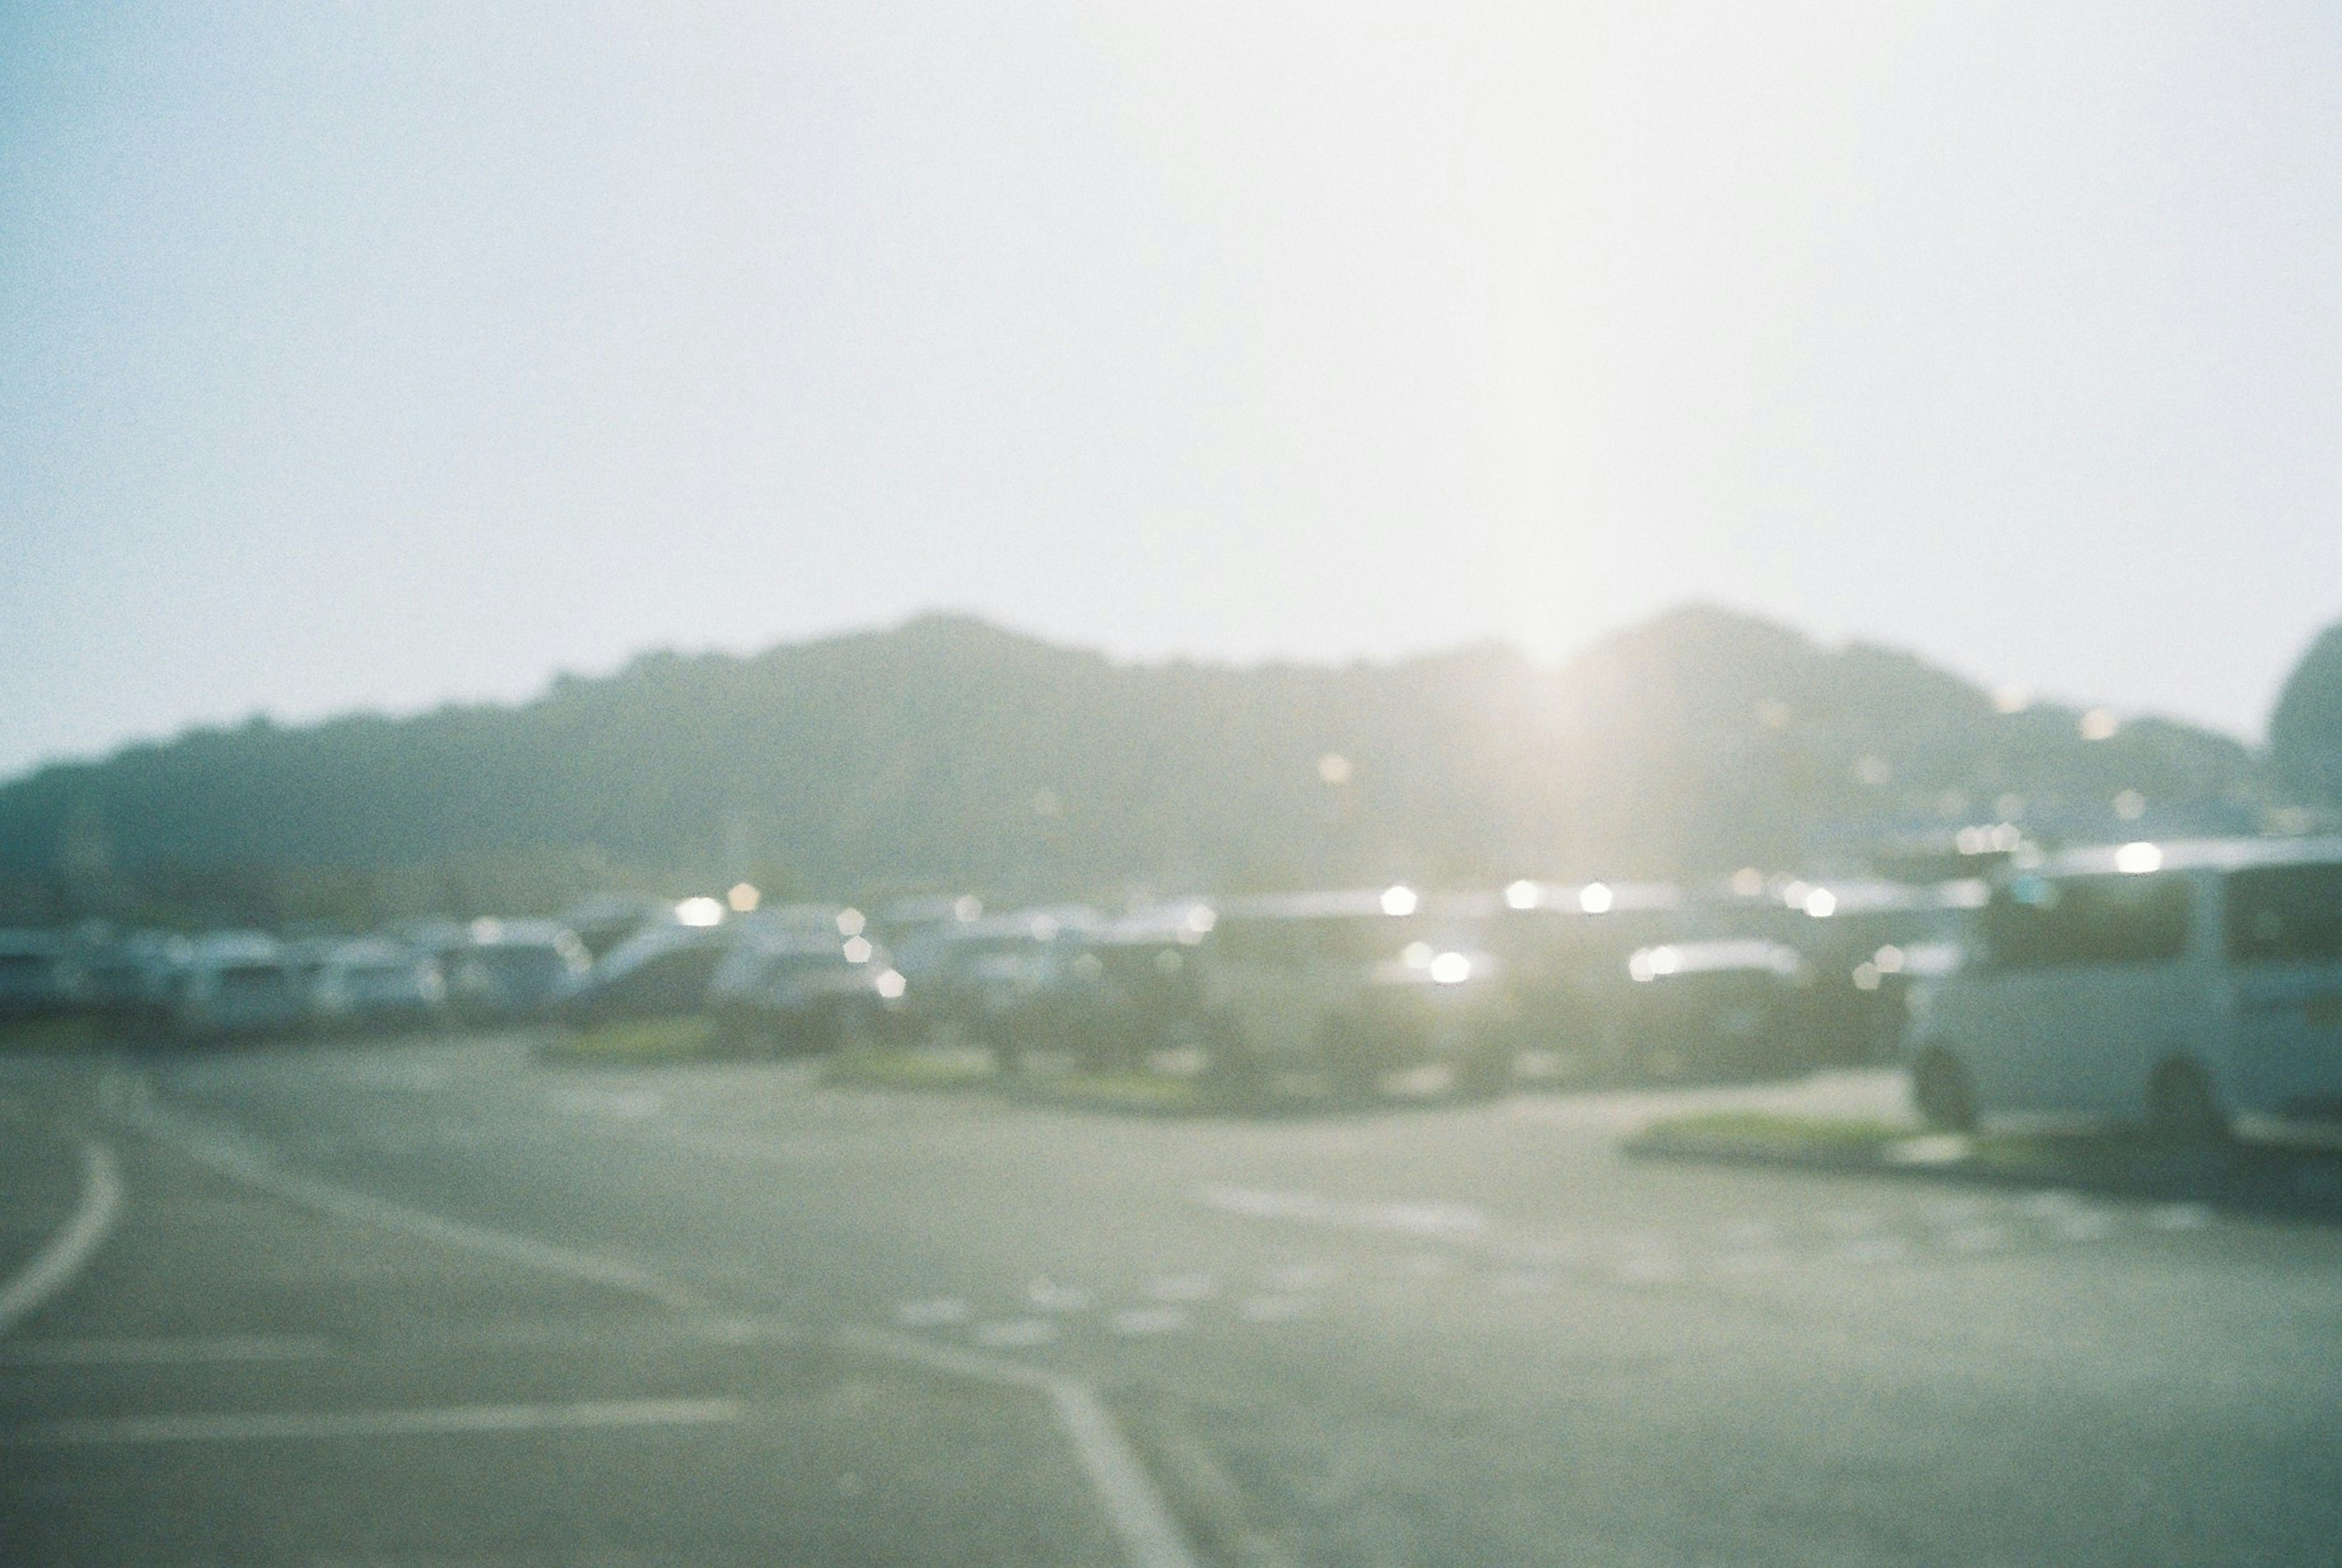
{"x": 949, "y": 753}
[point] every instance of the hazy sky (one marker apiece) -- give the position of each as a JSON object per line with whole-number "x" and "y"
{"x": 379, "y": 355}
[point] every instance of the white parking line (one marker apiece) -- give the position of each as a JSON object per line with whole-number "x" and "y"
{"x": 936, "y": 1313}
{"x": 337, "y": 1425}
{"x": 76, "y": 1242}
{"x": 1150, "y": 1319}
{"x": 1185, "y": 1288}
{"x": 1274, "y": 1308}
{"x": 1016, "y": 1333}
{"x": 1046, "y": 1295}
{"x": 247, "y": 1163}
{"x": 1133, "y": 1507}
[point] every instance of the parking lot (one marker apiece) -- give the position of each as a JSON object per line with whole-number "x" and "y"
{"x": 439, "y": 1303}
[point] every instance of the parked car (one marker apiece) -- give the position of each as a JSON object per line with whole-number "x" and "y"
{"x": 1326, "y": 994}
{"x": 37, "y": 974}
{"x": 795, "y": 991}
{"x": 1563, "y": 949}
{"x": 660, "y": 971}
{"x": 376, "y": 984}
{"x": 126, "y": 979}
{"x": 977, "y": 981}
{"x": 2180, "y": 986}
{"x": 1726, "y": 1008}
{"x": 235, "y": 983}
{"x": 510, "y": 971}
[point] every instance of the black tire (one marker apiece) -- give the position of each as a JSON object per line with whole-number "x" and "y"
{"x": 1944, "y": 1092}
{"x": 2183, "y": 1111}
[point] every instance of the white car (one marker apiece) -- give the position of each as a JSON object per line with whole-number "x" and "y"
{"x": 2190, "y": 986}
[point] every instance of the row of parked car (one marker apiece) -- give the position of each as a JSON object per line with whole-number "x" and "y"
{"x": 1333, "y": 991}
{"x": 1337, "y": 989}
{"x": 239, "y": 983}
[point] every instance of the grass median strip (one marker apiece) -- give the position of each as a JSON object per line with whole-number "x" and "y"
{"x": 2112, "y": 1162}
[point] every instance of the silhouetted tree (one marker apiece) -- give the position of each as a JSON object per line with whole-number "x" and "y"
{"x": 2305, "y": 730}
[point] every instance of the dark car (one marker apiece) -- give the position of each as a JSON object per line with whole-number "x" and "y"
{"x": 1731, "y": 1008}
{"x": 513, "y": 971}
{"x": 801, "y": 992}
{"x": 661, "y": 972}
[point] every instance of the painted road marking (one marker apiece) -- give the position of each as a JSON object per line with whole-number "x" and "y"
{"x": 1047, "y": 1296}
{"x": 2082, "y": 1226}
{"x": 1185, "y": 1288}
{"x": 1134, "y": 1507}
{"x": 1274, "y": 1308}
{"x": 937, "y": 1313}
{"x": 76, "y": 1242}
{"x": 1148, "y": 1320}
{"x": 1977, "y": 1239}
{"x": 277, "y": 1426}
{"x": 250, "y": 1164}
{"x": 1016, "y": 1333}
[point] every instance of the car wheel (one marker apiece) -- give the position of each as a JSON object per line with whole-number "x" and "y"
{"x": 1944, "y": 1092}
{"x": 2182, "y": 1108}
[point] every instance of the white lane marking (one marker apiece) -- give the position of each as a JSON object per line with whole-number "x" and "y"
{"x": 1426, "y": 1219}
{"x": 2082, "y": 1225}
{"x": 936, "y": 1313}
{"x": 1147, "y": 1320}
{"x": 1133, "y": 1505}
{"x": 1406, "y": 1219}
{"x": 2049, "y": 1203}
{"x": 2180, "y": 1217}
{"x": 1274, "y": 1308}
{"x": 161, "y": 1352}
{"x": 250, "y": 1164}
{"x": 1268, "y": 1205}
{"x": 455, "y": 1421}
{"x": 1048, "y": 1296}
{"x": 1977, "y": 1239}
{"x": 1184, "y": 1288}
{"x": 64, "y": 1254}
{"x": 1017, "y": 1332}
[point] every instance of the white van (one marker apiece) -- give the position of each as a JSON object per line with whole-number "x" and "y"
{"x": 2189, "y": 986}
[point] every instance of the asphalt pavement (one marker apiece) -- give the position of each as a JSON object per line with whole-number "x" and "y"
{"x": 439, "y": 1303}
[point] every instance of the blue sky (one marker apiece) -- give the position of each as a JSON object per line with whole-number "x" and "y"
{"x": 375, "y": 356}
